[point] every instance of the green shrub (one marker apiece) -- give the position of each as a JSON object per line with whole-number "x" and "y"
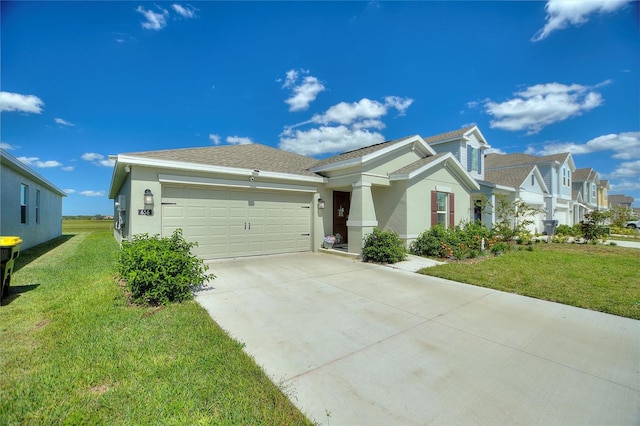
{"x": 431, "y": 242}
{"x": 567, "y": 230}
{"x": 158, "y": 271}
{"x": 384, "y": 247}
{"x": 500, "y": 247}
{"x": 462, "y": 242}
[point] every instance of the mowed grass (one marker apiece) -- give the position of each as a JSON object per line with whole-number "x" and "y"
{"x": 73, "y": 226}
{"x": 597, "y": 277}
{"x": 74, "y": 351}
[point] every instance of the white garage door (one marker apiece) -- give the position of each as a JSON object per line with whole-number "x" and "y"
{"x": 231, "y": 223}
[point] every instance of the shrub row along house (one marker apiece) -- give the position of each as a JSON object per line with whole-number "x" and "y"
{"x": 252, "y": 199}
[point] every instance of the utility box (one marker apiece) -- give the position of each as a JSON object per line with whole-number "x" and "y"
{"x": 9, "y": 252}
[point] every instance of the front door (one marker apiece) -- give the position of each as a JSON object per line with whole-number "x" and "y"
{"x": 341, "y": 201}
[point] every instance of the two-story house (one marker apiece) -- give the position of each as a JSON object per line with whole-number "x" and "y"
{"x": 556, "y": 171}
{"x": 603, "y": 195}
{"x": 585, "y": 192}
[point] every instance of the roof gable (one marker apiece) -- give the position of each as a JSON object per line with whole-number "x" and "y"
{"x": 427, "y": 163}
{"x": 464, "y": 133}
{"x": 515, "y": 177}
{"x": 369, "y": 153}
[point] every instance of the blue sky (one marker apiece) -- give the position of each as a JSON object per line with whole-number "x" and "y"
{"x": 85, "y": 80}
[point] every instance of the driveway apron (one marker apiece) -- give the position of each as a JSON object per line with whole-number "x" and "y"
{"x": 353, "y": 343}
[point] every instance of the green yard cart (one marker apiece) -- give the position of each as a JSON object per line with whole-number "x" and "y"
{"x": 9, "y": 252}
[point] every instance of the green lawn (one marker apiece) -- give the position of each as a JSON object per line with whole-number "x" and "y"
{"x": 598, "y": 277}
{"x": 75, "y": 352}
{"x": 73, "y": 226}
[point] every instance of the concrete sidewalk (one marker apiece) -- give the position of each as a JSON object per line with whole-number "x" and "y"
{"x": 355, "y": 343}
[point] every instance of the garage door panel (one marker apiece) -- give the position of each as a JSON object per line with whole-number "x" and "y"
{"x": 230, "y": 223}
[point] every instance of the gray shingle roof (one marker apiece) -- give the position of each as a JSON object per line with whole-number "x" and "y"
{"x": 251, "y": 156}
{"x": 512, "y": 176}
{"x": 358, "y": 153}
{"x": 448, "y": 135}
{"x": 495, "y": 161}
{"x": 418, "y": 164}
{"x": 581, "y": 175}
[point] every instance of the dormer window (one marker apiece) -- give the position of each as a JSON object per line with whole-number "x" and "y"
{"x": 474, "y": 159}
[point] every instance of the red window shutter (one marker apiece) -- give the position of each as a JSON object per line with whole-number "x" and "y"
{"x": 452, "y": 220}
{"x": 434, "y": 208}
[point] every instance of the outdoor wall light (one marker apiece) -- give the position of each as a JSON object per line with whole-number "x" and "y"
{"x": 321, "y": 204}
{"x": 148, "y": 197}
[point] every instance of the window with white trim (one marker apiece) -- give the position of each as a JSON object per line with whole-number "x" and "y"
{"x": 442, "y": 210}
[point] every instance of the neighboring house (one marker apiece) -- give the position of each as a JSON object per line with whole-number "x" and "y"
{"x": 585, "y": 183}
{"x": 603, "y": 195}
{"x": 620, "y": 200}
{"x": 519, "y": 183}
{"x": 556, "y": 172}
{"x": 31, "y": 206}
{"x": 253, "y": 199}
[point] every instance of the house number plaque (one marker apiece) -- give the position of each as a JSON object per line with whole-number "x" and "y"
{"x": 145, "y": 212}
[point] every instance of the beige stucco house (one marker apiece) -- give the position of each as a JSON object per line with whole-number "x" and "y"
{"x": 252, "y": 199}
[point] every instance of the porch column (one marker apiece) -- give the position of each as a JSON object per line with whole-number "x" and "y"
{"x": 490, "y": 213}
{"x": 362, "y": 216}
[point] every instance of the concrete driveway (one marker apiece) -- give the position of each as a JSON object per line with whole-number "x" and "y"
{"x": 360, "y": 344}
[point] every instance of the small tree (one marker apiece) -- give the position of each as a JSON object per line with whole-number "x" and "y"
{"x": 591, "y": 227}
{"x": 513, "y": 218}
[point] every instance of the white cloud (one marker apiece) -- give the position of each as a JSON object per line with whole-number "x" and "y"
{"x": 343, "y": 127}
{"x": 6, "y": 146}
{"x": 214, "y": 138}
{"x": 401, "y": 104}
{"x": 92, "y": 156}
{"x": 36, "y": 162}
{"x": 93, "y": 193}
{"x": 69, "y": 191}
{"x": 624, "y": 185}
{"x": 97, "y": 159}
{"x": 347, "y": 113}
{"x": 154, "y": 21}
{"x": 24, "y": 103}
{"x": 541, "y": 105}
{"x": 627, "y": 169}
{"x": 626, "y": 146}
{"x": 187, "y": 12}
{"x": 494, "y": 151}
{"x": 68, "y": 168}
{"x": 237, "y": 140}
{"x": 303, "y": 93}
{"x": 562, "y": 13}
{"x": 327, "y": 139}
{"x": 63, "y": 122}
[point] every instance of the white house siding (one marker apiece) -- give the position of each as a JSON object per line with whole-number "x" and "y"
{"x": 49, "y": 226}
